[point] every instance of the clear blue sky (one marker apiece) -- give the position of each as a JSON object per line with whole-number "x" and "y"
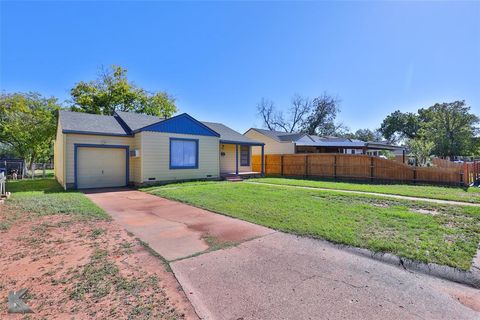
{"x": 220, "y": 59}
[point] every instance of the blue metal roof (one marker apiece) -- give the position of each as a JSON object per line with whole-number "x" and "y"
{"x": 182, "y": 123}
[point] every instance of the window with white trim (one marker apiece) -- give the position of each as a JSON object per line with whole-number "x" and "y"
{"x": 183, "y": 153}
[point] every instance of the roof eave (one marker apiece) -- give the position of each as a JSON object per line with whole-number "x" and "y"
{"x": 97, "y": 133}
{"x": 250, "y": 143}
{"x": 271, "y": 137}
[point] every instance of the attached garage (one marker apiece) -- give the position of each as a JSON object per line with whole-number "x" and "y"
{"x": 101, "y": 166}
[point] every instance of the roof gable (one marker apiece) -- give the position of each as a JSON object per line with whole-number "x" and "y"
{"x": 183, "y": 124}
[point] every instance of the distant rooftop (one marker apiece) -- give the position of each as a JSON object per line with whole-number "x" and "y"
{"x": 303, "y": 139}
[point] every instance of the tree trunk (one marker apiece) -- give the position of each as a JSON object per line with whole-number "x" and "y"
{"x": 32, "y": 165}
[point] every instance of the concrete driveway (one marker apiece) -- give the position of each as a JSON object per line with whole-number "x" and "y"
{"x": 280, "y": 276}
{"x": 173, "y": 229}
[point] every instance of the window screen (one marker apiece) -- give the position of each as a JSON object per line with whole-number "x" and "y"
{"x": 183, "y": 154}
{"x": 244, "y": 156}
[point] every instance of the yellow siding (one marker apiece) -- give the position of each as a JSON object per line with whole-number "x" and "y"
{"x": 72, "y": 139}
{"x": 58, "y": 157}
{"x": 271, "y": 146}
{"x": 227, "y": 161}
{"x": 156, "y": 157}
{"x": 136, "y": 162}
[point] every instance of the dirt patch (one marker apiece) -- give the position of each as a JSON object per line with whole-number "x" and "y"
{"x": 381, "y": 205}
{"x": 425, "y": 211}
{"x": 468, "y": 299}
{"x": 84, "y": 270}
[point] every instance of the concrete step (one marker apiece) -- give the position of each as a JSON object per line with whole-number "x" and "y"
{"x": 234, "y": 178}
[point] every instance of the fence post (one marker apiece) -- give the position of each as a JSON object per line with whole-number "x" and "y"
{"x": 2, "y": 184}
{"x": 281, "y": 165}
{"x": 265, "y": 164}
{"x": 415, "y": 173}
{"x": 306, "y": 166}
{"x": 474, "y": 171}
{"x": 371, "y": 169}
{"x": 335, "y": 167}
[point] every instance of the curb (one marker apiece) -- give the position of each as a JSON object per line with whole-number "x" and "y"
{"x": 470, "y": 277}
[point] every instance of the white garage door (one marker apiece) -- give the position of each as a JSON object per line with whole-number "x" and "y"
{"x": 101, "y": 167}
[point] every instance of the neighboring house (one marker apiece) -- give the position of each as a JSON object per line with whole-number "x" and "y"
{"x": 277, "y": 142}
{"x": 94, "y": 151}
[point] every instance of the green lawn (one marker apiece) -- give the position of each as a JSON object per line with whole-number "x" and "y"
{"x": 426, "y": 232}
{"x": 471, "y": 194}
{"x": 46, "y": 196}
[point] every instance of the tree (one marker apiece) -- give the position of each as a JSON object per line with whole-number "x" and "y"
{"x": 367, "y": 135}
{"x": 315, "y": 116}
{"x": 6, "y": 151}
{"x": 451, "y": 126}
{"x": 399, "y": 126}
{"x": 276, "y": 120}
{"x": 28, "y": 125}
{"x": 321, "y": 120}
{"x": 421, "y": 149}
{"x": 266, "y": 109}
{"x": 112, "y": 91}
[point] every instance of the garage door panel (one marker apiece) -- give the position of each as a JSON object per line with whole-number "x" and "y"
{"x": 101, "y": 167}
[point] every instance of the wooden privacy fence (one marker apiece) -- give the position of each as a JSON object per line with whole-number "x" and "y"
{"x": 471, "y": 171}
{"x": 442, "y": 163}
{"x": 360, "y": 167}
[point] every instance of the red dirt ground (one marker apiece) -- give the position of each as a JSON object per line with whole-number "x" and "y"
{"x": 84, "y": 270}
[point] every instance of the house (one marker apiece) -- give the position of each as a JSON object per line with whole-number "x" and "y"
{"x": 277, "y": 142}
{"x": 94, "y": 151}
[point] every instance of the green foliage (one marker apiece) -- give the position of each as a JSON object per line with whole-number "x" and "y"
{"x": 421, "y": 149}
{"x": 112, "y": 91}
{"x": 399, "y": 125}
{"x": 451, "y": 126}
{"x": 321, "y": 119}
{"x": 7, "y": 151}
{"x": 447, "y": 235}
{"x": 28, "y": 125}
{"x": 366, "y": 135}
